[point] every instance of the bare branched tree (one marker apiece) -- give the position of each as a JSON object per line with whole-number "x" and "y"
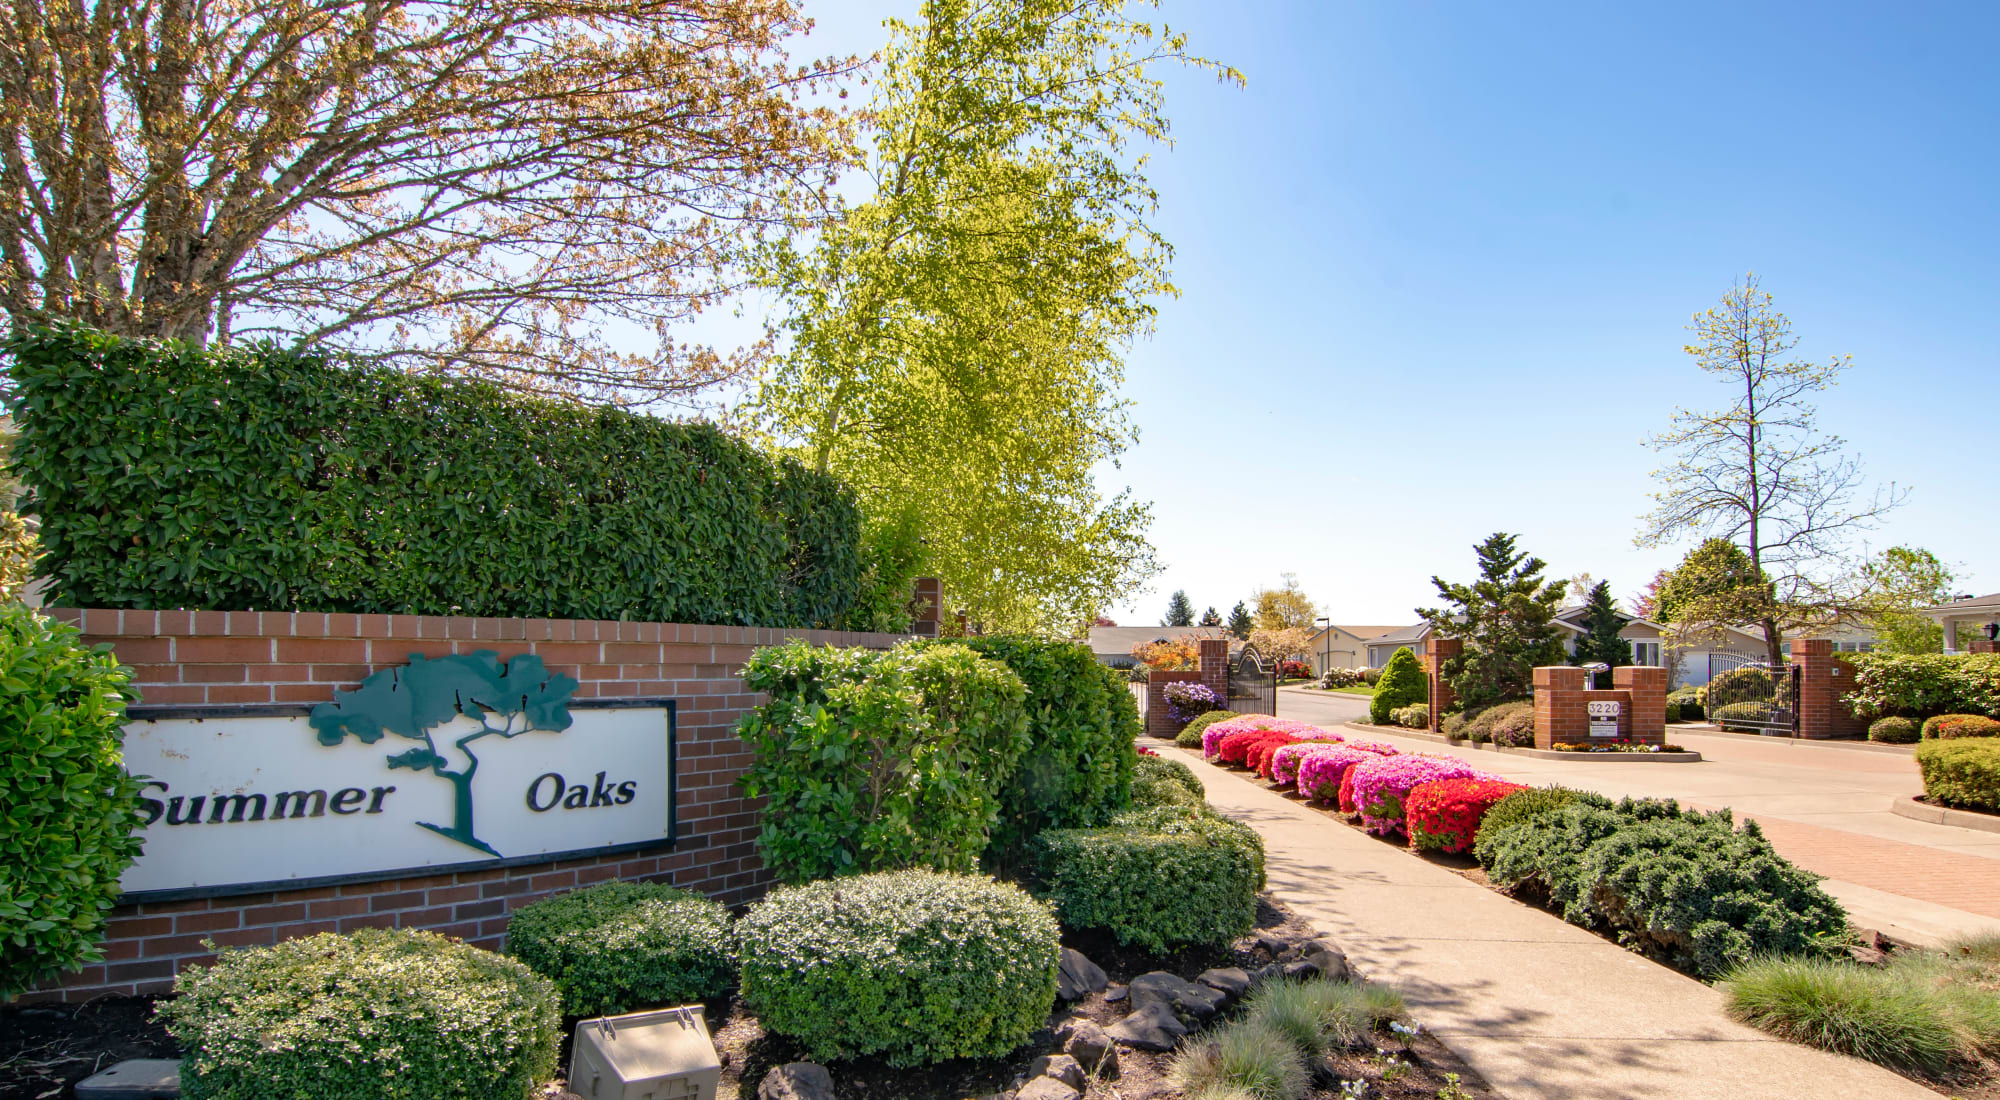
{"x": 1761, "y": 474}
{"x": 524, "y": 189}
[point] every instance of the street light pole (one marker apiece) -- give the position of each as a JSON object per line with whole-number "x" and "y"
{"x": 1325, "y": 644}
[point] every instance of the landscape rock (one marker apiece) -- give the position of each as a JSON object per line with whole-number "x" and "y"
{"x": 1062, "y": 1067}
{"x": 1273, "y": 946}
{"x": 1154, "y": 1027}
{"x": 1115, "y": 992}
{"x": 1270, "y": 971}
{"x": 1177, "y": 993}
{"x": 1077, "y": 977}
{"x": 1046, "y": 1088}
{"x": 1230, "y": 981}
{"x": 1329, "y": 960}
{"x": 1091, "y": 1046}
{"x": 1300, "y": 969}
{"x": 797, "y": 1081}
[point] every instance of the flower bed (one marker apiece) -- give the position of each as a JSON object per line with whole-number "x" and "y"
{"x": 1381, "y": 785}
{"x": 1444, "y": 815}
{"x": 1212, "y": 737}
{"x": 1320, "y": 773}
{"x": 1286, "y": 759}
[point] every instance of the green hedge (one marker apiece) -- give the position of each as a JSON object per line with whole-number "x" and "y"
{"x": 404, "y": 1014}
{"x": 1403, "y": 682}
{"x": 877, "y": 760}
{"x": 1525, "y": 806}
{"x": 1964, "y": 773}
{"x": 1685, "y": 888}
{"x": 1894, "y": 730}
{"x": 1190, "y": 735}
{"x": 1076, "y": 770}
{"x": 70, "y": 815}
{"x": 1951, "y": 727}
{"x": 623, "y": 946}
{"x": 262, "y": 479}
{"x": 905, "y": 967}
{"x": 1158, "y": 877}
{"x": 1920, "y": 685}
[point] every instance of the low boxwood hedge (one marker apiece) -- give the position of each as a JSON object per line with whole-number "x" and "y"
{"x": 1963, "y": 773}
{"x": 1190, "y": 735}
{"x": 1157, "y": 877}
{"x": 403, "y": 1014}
{"x": 908, "y": 967}
{"x": 622, "y": 946}
{"x": 1157, "y": 781}
{"x": 1894, "y": 730}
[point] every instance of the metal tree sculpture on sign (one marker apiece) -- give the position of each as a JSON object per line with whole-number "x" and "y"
{"x": 507, "y": 700}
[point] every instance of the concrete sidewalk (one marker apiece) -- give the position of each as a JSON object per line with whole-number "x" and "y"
{"x": 1539, "y": 1007}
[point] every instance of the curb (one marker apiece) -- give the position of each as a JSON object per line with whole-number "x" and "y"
{"x": 1700, "y": 730}
{"x": 1539, "y": 754}
{"x": 1942, "y": 815}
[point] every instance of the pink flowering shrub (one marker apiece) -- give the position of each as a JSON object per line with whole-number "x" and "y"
{"x": 1319, "y": 773}
{"x": 1381, "y": 785}
{"x": 1211, "y": 738}
{"x": 1285, "y": 762}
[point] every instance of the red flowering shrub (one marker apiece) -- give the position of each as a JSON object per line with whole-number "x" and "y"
{"x": 1347, "y": 805}
{"x": 1241, "y": 749}
{"x": 1444, "y": 814}
{"x": 1262, "y": 757}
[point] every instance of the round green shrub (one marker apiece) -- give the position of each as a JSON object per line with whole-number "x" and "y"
{"x": 1157, "y": 781}
{"x": 908, "y": 967}
{"x": 622, "y": 946}
{"x": 378, "y": 1013}
{"x": 1190, "y": 735}
{"x": 68, "y": 827}
{"x": 1156, "y": 877}
{"x": 1403, "y": 682}
{"x": 1525, "y": 806}
{"x": 1739, "y": 716}
{"x": 1963, "y": 773}
{"x": 1893, "y": 730}
{"x": 1947, "y": 727}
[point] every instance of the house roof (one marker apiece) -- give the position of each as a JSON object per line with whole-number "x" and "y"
{"x": 1969, "y": 605}
{"x": 1402, "y": 635}
{"x": 1364, "y": 633}
{"x": 1119, "y": 640}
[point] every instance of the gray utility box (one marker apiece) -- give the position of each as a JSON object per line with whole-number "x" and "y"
{"x": 661, "y": 1055}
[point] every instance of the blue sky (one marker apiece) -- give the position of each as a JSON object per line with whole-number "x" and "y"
{"x": 1436, "y": 261}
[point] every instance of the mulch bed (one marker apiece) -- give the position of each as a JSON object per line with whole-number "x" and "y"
{"x": 45, "y": 1049}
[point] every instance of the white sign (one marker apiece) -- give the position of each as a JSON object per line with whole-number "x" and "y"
{"x": 1603, "y": 718}
{"x": 395, "y": 777}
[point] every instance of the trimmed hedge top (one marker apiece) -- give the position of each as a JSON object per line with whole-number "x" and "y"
{"x": 622, "y": 946}
{"x": 262, "y": 479}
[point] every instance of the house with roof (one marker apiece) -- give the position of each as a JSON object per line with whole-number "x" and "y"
{"x": 1336, "y": 646}
{"x": 1971, "y": 623}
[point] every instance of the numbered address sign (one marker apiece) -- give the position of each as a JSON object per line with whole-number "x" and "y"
{"x": 1603, "y": 718}
{"x": 453, "y": 763}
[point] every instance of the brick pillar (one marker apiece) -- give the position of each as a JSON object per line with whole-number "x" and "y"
{"x": 1983, "y": 645}
{"x": 1436, "y": 652}
{"x": 1215, "y": 665}
{"x": 929, "y": 604}
{"x": 1647, "y": 688}
{"x": 1158, "y": 722}
{"x": 1824, "y": 681}
{"x": 1561, "y": 713}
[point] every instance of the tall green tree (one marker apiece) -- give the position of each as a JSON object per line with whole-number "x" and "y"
{"x": 957, "y": 338}
{"x": 1896, "y": 583}
{"x": 1507, "y": 620}
{"x": 1241, "y": 623}
{"x": 1211, "y": 617}
{"x": 1761, "y": 473}
{"x": 1600, "y": 641}
{"x": 1179, "y": 611}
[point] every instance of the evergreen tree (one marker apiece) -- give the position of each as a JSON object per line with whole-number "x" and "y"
{"x": 1403, "y": 683}
{"x": 1179, "y": 611}
{"x": 1507, "y": 620}
{"x": 1211, "y": 617}
{"x": 1601, "y": 624}
{"x": 1240, "y": 622}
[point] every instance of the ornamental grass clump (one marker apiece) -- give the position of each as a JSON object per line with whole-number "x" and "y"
{"x": 1445, "y": 815}
{"x": 1320, "y": 773}
{"x": 1320, "y": 1016}
{"x": 1381, "y": 785}
{"x": 1159, "y": 877}
{"x": 1245, "y": 1057}
{"x": 1902, "y": 1016}
{"x": 906, "y": 967}
{"x": 376, "y": 1013}
{"x": 623, "y": 946}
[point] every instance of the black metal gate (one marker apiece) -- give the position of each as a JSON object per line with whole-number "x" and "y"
{"x": 1253, "y": 687}
{"x": 1756, "y": 698}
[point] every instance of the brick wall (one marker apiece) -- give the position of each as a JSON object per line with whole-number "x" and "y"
{"x": 237, "y": 658}
{"x": 1436, "y": 652}
{"x": 1214, "y": 672}
{"x": 1824, "y": 679}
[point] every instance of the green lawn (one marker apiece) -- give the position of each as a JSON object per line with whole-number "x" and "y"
{"x": 1363, "y": 690}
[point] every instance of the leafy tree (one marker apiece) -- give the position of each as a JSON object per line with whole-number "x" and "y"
{"x": 1403, "y": 683}
{"x": 1276, "y": 645}
{"x": 957, "y": 338}
{"x": 1285, "y": 607}
{"x": 1179, "y": 611}
{"x": 1760, "y": 473}
{"x": 1507, "y": 620}
{"x": 1601, "y": 624}
{"x": 1240, "y": 621}
{"x": 1896, "y": 583}
{"x": 417, "y": 699}
{"x": 1715, "y": 586}
{"x": 1646, "y": 604}
{"x": 1211, "y": 617}
{"x": 479, "y": 188}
